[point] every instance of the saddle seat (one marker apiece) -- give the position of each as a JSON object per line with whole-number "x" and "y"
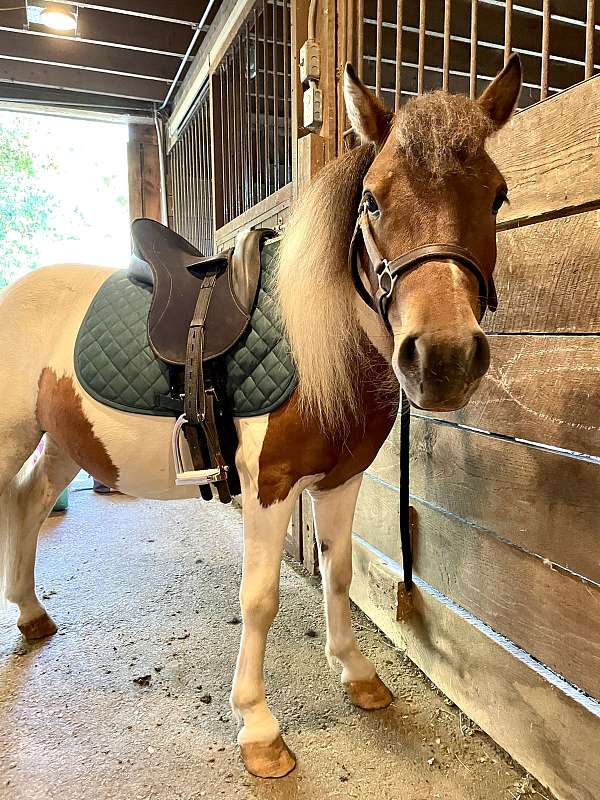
{"x": 173, "y": 269}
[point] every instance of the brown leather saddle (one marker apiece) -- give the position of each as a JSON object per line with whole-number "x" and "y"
{"x": 174, "y": 269}
{"x": 200, "y": 308}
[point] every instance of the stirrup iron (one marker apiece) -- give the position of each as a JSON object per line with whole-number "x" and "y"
{"x": 194, "y": 477}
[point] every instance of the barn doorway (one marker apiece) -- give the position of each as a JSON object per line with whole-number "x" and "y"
{"x": 63, "y": 192}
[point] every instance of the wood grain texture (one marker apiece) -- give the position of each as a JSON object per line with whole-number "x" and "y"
{"x": 310, "y": 159}
{"x": 552, "y": 733}
{"x": 80, "y": 80}
{"x": 540, "y": 500}
{"x": 550, "y": 614}
{"x": 548, "y": 277}
{"x": 550, "y": 155}
{"x": 274, "y": 206}
{"x": 143, "y": 173}
{"x": 310, "y": 557}
{"x": 542, "y": 389}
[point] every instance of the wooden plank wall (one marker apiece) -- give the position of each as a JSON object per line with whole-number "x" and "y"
{"x": 507, "y": 490}
{"x": 144, "y": 172}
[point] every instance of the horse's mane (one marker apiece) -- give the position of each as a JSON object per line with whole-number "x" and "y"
{"x": 316, "y": 292}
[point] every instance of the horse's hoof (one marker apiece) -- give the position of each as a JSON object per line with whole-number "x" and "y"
{"x": 38, "y": 628}
{"x": 268, "y": 759}
{"x": 369, "y": 695}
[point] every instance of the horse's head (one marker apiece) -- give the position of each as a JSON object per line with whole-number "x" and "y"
{"x": 432, "y": 183}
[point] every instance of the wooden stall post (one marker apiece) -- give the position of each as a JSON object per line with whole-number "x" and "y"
{"x": 143, "y": 161}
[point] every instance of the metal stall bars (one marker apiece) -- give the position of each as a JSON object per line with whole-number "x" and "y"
{"x": 402, "y": 49}
{"x": 253, "y": 116}
{"x": 190, "y": 172}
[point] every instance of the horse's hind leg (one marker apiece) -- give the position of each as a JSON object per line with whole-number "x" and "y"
{"x": 27, "y": 501}
{"x": 334, "y": 513}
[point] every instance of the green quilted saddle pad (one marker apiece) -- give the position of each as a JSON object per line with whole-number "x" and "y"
{"x": 116, "y": 365}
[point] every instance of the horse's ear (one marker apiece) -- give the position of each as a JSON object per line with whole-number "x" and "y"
{"x": 500, "y": 98}
{"x": 368, "y": 116}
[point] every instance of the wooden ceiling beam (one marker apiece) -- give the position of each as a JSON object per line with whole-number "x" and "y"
{"x": 66, "y": 78}
{"x": 72, "y": 52}
{"x": 108, "y": 28}
{"x": 12, "y": 92}
{"x": 187, "y": 11}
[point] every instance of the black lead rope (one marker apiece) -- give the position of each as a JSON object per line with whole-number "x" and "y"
{"x": 405, "y": 537}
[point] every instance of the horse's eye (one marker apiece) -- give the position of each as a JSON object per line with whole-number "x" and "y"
{"x": 371, "y": 203}
{"x": 499, "y": 201}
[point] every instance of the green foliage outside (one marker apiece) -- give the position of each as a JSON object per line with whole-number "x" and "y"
{"x": 26, "y": 208}
{"x": 63, "y": 193}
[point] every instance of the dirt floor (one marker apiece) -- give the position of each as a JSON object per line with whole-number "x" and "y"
{"x": 130, "y": 698}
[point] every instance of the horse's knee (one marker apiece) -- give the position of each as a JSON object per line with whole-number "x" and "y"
{"x": 259, "y": 607}
{"x": 336, "y": 577}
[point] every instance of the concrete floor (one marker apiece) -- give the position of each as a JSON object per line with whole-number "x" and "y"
{"x": 142, "y": 589}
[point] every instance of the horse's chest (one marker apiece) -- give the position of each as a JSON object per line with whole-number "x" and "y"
{"x": 294, "y": 448}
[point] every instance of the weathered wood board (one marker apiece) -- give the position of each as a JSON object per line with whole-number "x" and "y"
{"x": 550, "y": 156}
{"x": 548, "y": 728}
{"x": 143, "y": 172}
{"x": 542, "y": 389}
{"x": 553, "y": 615}
{"x": 547, "y": 277}
{"x": 542, "y": 501}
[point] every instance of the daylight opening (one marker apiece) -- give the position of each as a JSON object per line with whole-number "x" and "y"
{"x": 63, "y": 193}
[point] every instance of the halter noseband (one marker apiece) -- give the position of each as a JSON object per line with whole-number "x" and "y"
{"x": 388, "y": 272}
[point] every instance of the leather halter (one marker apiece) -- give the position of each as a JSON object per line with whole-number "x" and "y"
{"x": 388, "y": 272}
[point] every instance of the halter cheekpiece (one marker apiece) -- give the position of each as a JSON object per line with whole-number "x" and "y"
{"x": 388, "y": 272}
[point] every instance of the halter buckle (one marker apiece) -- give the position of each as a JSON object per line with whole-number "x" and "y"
{"x": 386, "y": 281}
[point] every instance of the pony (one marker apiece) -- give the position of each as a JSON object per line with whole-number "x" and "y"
{"x": 418, "y": 177}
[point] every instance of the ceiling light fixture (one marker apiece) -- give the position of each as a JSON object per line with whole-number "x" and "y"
{"x": 56, "y": 17}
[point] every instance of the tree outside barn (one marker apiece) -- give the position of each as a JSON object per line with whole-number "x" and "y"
{"x": 63, "y": 193}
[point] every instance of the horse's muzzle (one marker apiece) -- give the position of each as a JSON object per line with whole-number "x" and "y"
{"x": 440, "y": 371}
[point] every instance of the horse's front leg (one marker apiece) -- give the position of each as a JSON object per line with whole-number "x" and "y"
{"x": 334, "y": 513}
{"x": 263, "y": 750}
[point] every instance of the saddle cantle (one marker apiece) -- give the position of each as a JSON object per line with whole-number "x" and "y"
{"x": 173, "y": 269}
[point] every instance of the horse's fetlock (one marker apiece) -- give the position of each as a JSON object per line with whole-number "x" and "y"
{"x": 341, "y": 647}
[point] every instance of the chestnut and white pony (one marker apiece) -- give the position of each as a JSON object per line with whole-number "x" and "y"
{"x": 427, "y": 178}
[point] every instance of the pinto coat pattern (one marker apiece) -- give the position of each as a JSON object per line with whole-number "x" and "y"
{"x": 424, "y": 176}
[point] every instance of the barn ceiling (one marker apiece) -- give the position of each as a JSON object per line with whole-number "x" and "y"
{"x": 126, "y": 54}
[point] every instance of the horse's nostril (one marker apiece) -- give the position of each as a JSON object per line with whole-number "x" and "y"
{"x": 408, "y": 351}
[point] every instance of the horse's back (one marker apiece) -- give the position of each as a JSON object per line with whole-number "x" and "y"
{"x": 44, "y": 286}
{"x": 37, "y": 309}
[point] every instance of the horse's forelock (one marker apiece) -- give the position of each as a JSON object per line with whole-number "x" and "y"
{"x": 440, "y": 133}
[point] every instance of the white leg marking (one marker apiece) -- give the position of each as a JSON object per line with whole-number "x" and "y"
{"x": 32, "y": 496}
{"x": 334, "y": 513}
{"x": 264, "y": 532}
